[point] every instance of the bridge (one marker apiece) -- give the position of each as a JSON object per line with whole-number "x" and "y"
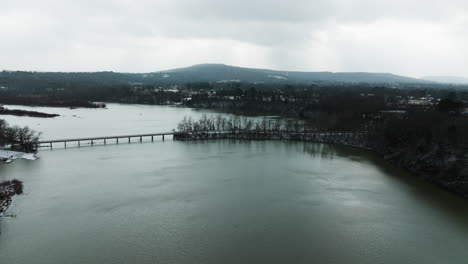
{"x": 104, "y": 140}
{"x": 319, "y": 136}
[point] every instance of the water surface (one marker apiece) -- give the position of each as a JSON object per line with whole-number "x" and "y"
{"x": 116, "y": 119}
{"x": 224, "y": 202}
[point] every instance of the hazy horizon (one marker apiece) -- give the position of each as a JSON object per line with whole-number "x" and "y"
{"x": 414, "y": 39}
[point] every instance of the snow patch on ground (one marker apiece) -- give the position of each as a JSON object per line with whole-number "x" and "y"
{"x": 8, "y": 156}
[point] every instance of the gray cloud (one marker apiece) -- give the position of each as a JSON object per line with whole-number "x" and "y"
{"x": 405, "y": 37}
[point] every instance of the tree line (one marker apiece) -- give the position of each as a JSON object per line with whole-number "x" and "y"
{"x": 242, "y": 124}
{"x": 18, "y": 138}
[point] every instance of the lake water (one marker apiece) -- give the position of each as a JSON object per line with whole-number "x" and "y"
{"x": 218, "y": 201}
{"x": 117, "y": 119}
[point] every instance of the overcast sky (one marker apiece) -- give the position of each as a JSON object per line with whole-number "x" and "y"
{"x": 408, "y": 37}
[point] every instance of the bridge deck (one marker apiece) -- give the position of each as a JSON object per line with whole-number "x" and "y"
{"x": 49, "y": 143}
{"x": 103, "y": 138}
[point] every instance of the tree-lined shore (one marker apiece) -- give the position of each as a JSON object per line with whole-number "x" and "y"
{"x": 17, "y": 138}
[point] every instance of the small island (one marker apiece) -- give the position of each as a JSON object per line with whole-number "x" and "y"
{"x": 48, "y": 101}
{"x": 18, "y": 112}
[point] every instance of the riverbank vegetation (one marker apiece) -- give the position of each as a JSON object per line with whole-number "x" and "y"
{"x": 16, "y": 138}
{"x": 8, "y": 189}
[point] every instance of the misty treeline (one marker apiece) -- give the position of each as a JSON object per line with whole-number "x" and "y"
{"x": 18, "y": 138}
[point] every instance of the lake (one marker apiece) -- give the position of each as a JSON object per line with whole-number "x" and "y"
{"x": 217, "y": 201}
{"x": 117, "y": 119}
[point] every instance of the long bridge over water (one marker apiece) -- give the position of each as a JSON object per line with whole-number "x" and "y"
{"x": 320, "y": 136}
{"x": 104, "y": 140}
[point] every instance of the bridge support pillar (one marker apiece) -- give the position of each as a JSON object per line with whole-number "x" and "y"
{"x": 50, "y": 145}
{"x": 117, "y": 140}
{"x": 65, "y": 143}
{"x": 129, "y": 140}
{"x": 152, "y": 138}
{"x": 105, "y": 142}
{"x": 79, "y": 143}
{"x": 163, "y": 137}
{"x": 92, "y": 142}
{"x": 141, "y": 139}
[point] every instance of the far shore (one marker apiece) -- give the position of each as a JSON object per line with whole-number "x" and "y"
{"x": 49, "y": 102}
{"x": 18, "y": 112}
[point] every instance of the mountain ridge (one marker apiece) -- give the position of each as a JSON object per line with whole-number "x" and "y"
{"x": 213, "y": 73}
{"x": 204, "y": 72}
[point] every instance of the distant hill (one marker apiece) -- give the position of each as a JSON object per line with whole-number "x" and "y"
{"x": 225, "y": 73}
{"x": 447, "y": 79}
{"x": 30, "y": 81}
